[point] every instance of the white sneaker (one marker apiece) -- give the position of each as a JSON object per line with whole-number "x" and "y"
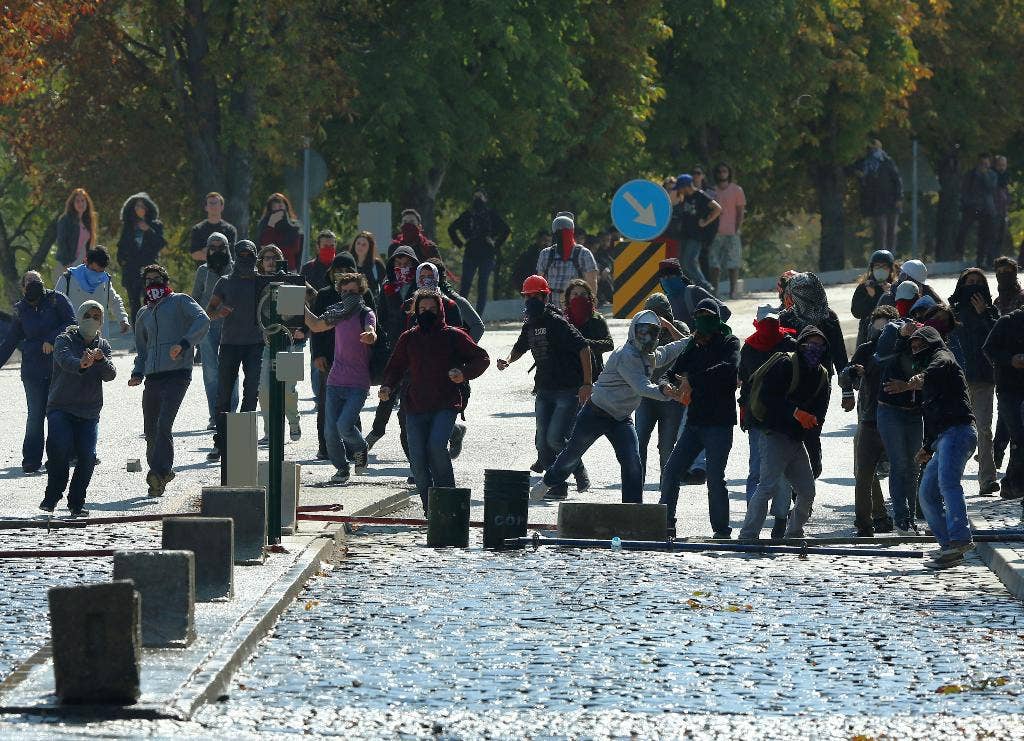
{"x": 538, "y": 491}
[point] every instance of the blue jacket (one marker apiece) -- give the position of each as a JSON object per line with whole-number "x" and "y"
{"x": 174, "y": 320}
{"x": 31, "y": 326}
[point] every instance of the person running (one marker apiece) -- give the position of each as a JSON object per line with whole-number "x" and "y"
{"x": 625, "y": 380}
{"x": 949, "y": 440}
{"x": 199, "y": 236}
{"x": 348, "y": 382}
{"x": 81, "y": 365}
{"x": 142, "y": 238}
{"x": 788, "y": 399}
{"x": 1005, "y": 349}
{"x": 564, "y": 376}
{"x": 437, "y": 359}
{"x": 218, "y": 265}
{"x": 91, "y": 282}
{"x": 564, "y": 259}
{"x": 39, "y": 318}
{"x": 864, "y": 374}
{"x": 769, "y": 338}
{"x": 872, "y": 286}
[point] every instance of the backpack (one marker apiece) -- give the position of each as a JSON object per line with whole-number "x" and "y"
{"x": 755, "y": 405}
{"x": 575, "y": 257}
{"x": 379, "y": 353}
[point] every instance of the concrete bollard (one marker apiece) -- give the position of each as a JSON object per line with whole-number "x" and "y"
{"x": 211, "y": 539}
{"x": 166, "y": 583}
{"x": 291, "y": 485}
{"x": 604, "y": 521}
{"x": 247, "y": 507}
{"x": 97, "y": 644}
{"x": 241, "y": 452}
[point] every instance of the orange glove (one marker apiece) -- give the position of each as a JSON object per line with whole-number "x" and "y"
{"x": 685, "y": 399}
{"x": 807, "y": 420}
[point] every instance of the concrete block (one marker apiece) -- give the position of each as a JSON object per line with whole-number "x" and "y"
{"x": 241, "y": 453}
{"x": 247, "y": 507}
{"x": 605, "y": 521}
{"x": 291, "y": 484}
{"x": 211, "y": 539}
{"x": 97, "y": 643}
{"x": 166, "y": 582}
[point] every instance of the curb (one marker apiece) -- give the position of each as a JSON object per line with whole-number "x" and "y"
{"x": 1005, "y": 560}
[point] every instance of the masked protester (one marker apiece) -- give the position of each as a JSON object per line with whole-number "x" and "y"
{"x": 1005, "y": 349}
{"x": 438, "y": 359}
{"x": 81, "y": 365}
{"x": 470, "y": 319}
{"x": 789, "y": 404}
{"x": 482, "y": 232}
{"x": 864, "y": 374}
{"x": 872, "y": 286}
{"x": 410, "y": 234}
{"x": 810, "y": 307}
{"x": 682, "y": 294}
{"x": 142, "y": 239}
{"x": 625, "y": 380}
{"x": 565, "y": 260}
{"x": 168, "y": 327}
{"x": 90, "y": 281}
{"x": 915, "y": 272}
{"x": 707, "y": 375}
{"x": 1010, "y": 295}
{"x": 769, "y": 338}
{"x": 785, "y": 300}
{"x": 315, "y": 271}
{"x": 39, "y": 318}
{"x": 241, "y": 340}
{"x": 217, "y": 265}
{"x": 564, "y": 378}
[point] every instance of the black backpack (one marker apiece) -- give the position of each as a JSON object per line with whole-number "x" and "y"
{"x": 380, "y": 352}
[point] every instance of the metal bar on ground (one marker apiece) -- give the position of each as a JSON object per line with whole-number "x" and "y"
{"x": 409, "y": 521}
{"x": 15, "y": 524}
{"x": 35, "y": 553}
{"x": 675, "y": 546}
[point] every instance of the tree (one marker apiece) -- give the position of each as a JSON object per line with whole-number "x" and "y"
{"x": 22, "y": 225}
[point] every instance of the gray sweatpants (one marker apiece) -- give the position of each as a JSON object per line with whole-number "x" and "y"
{"x": 782, "y": 457}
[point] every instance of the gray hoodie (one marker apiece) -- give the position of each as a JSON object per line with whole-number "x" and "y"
{"x": 173, "y": 320}
{"x": 73, "y": 389}
{"x": 626, "y": 377}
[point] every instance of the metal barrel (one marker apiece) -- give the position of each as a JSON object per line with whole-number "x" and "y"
{"x": 447, "y": 517}
{"x": 506, "y": 506}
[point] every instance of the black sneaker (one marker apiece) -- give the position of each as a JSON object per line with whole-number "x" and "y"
{"x": 29, "y": 470}
{"x": 582, "y": 479}
{"x": 47, "y": 507}
{"x": 989, "y": 489}
{"x": 883, "y": 524}
{"x": 321, "y": 455}
{"x": 410, "y": 480}
{"x": 80, "y": 512}
{"x": 1010, "y": 492}
{"x": 865, "y": 532}
{"x": 214, "y": 455}
{"x": 156, "y": 484}
{"x": 779, "y": 528}
{"x": 361, "y": 463}
{"x": 722, "y": 535}
{"x": 696, "y": 477}
{"x": 939, "y": 565}
{"x": 371, "y": 440}
{"x": 557, "y": 493}
{"x": 455, "y": 443}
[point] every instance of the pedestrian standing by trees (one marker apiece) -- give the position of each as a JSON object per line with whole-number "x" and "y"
{"x": 218, "y": 265}
{"x": 39, "y": 318}
{"x": 1005, "y": 349}
{"x": 199, "y": 236}
{"x": 564, "y": 377}
{"x": 691, "y": 216}
{"x": 411, "y": 234}
{"x": 727, "y": 250}
{"x": 881, "y": 194}
{"x": 481, "y": 231}
{"x": 788, "y": 400}
{"x": 77, "y": 230}
{"x": 91, "y": 282}
{"x": 872, "y": 286}
{"x": 81, "y": 365}
{"x": 348, "y": 384}
{"x": 707, "y": 375}
{"x": 364, "y": 250}
{"x": 142, "y": 238}
{"x": 1001, "y": 241}
{"x": 565, "y": 260}
{"x": 279, "y": 226}
{"x": 438, "y": 360}
{"x": 168, "y": 327}
{"x": 978, "y": 204}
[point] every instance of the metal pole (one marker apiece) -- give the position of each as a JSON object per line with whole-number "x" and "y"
{"x": 305, "y": 200}
{"x": 913, "y": 200}
{"x": 278, "y": 341}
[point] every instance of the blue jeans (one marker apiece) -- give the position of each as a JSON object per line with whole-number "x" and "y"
{"x": 208, "y": 347}
{"x": 941, "y": 492}
{"x": 314, "y": 383}
{"x": 717, "y": 441}
{"x": 471, "y": 263}
{"x": 555, "y": 412}
{"x": 902, "y": 432}
{"x": 782, "y": 495}
{"x": 428, "y": 434}
{"x": 668, "y": 416}
{"x": 592, "y": 423}
{"x": 689, "y": 256}
{"x": 36, "y": 392}
{"x": 343, "y": 404}
{"x": 70, "y": 437}
{"x": 701, "y": 464}
{"x": 1011, "y": 413}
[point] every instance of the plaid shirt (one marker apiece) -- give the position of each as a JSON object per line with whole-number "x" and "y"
{"x": 559, "y": 272}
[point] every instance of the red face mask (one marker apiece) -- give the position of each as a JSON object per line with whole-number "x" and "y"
{"x": 903, "y": 306}
{"x": 410, "y": 231}
{"x": 156, "y": 292}
{"x": 326, "y": 255}
{"x": 580, "y": 309}
{"x": 568, "y": 242}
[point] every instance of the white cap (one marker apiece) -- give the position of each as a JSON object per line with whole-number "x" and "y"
{"x": 916, "y": 270}
{"x": 907, "y": 290}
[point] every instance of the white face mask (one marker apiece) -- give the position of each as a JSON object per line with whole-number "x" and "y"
{"x": 89, "y": 328}
{"x": 881, "y": 274}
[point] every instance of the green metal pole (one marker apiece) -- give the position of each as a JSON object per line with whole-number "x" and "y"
{"x": 278, "y": 342}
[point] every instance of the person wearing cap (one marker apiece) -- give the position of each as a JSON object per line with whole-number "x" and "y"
{"x": 871, "y": 287}
{"x": 565, "y": 260}
{"x": 864, "y": 375}
{"x": 217, "y": 265}
{"x": 707, "y": 373}
{"x": 916, "y": 272}
{"x": 789, "y": 419}
{"x": 481, "y": 231}
{"x": 769, "y": 338}
{"x": 949, "y": 440}
{"x": 683, "y": 294}
{"x": 691, "y": 217}
{"x": 199, "y": 236}
{"x": 564, "y": 377}
{"x": 81, "y": 365}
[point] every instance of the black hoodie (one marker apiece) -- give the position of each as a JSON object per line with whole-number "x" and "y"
{"x": 133, "y": 256}
{"x": 944, "y": 399}
{"x": 973, "y": 328}
{"x": 391, "y": 315}
{"x": 810, "y": 395}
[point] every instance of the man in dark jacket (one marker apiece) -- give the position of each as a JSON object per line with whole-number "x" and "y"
{"x": 949, "y": 441}
{"x": 971, "y": 304}
{"x": 1009, "y": 294}
{"x": 142, "y": 238}
{"x": 482, "y": 232}
{"x": 864, "y": 374}
{"x": 683, "y": 294}
{"x": 881, "y": 194}
{"x": 1005, "y": 348}
{"x": 38, "y": 319}
{"x": 706, "y": 371}
{"x": 978, "y": 204}
{"x": 793, "y": 395}
{"x": 81, "y": 365}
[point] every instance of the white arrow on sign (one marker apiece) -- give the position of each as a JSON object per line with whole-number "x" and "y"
{"x": 644, "y": 214}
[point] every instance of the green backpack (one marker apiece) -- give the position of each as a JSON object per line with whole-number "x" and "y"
{"x": 755, "y": 405}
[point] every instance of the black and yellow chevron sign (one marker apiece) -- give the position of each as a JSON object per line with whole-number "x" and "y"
{"x": 636, "y": 276}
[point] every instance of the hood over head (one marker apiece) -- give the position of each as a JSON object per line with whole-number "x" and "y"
{"x": 152, "y": 212}
{"x": 642, "y": 317}
{"x": 660, "y": 305}
{"x": 402, "y": 250}
{"x": 425, "y": 293}
{"x": 809, "y": 298}
{"x": 961, "y": 292}
{"x": 810, "y": 331}
{"x": 709, "y": 304}
{"x": 929, "y": 335}
{"x": 425, "y": 266}
{"x": 922, "y": 304}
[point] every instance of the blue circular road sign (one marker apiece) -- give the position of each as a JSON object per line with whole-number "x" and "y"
{"x": 641, "y": 210}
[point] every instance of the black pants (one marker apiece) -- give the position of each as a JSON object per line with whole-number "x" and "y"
{"x": 161, "y": 399}
{"x": 473, "y": 262}
{"x": 133, "y": 293}
{"x": 229, "y": 358}
{"x": 986, "y": 224}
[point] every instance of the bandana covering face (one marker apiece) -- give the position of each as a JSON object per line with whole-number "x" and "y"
{"x": 809, "y": 299}
{"x": 768, "y": 335}
{"x": 645, "y": 337}
{"x": 156, "y": 291}
{"x": 347, "y": 305}
{"x": 903, "y": 306}
{"x": 812, "y": 353}
{"x": 707, "y": 324}
{"x": 581, "y": 308}
{"x": 568, "y": 242}
{"x": 403, "y": 276}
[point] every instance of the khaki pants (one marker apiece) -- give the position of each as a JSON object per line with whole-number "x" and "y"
{"x": 982, "y": 400}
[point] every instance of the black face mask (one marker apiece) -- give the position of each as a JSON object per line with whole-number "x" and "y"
{"x": 1006, "y": 281}
{"x": 217, "y": 260}
{"x": 34, "y": 291}
{"x": 534, "y": 308}
{"x": 426, "y": 320}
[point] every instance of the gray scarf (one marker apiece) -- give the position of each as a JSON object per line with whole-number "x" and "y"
{"x": 348, "y": 305}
